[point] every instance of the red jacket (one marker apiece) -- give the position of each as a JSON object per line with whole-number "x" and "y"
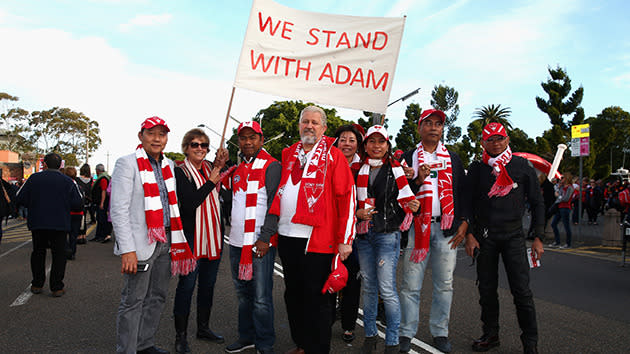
{"x": 339, "y": 224}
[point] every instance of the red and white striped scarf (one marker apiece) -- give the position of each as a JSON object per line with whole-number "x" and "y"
{"x": 182, "y": 260}
{"x": 422, "y": 224}
{"x": 405, "y": 195}
{"x": 255, "y": 178}
{"x": 208, "y": 239}
{"x": 503, "y": 184}
{"x": 311, "y": 207}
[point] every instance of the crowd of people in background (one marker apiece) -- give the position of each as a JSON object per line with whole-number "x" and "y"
{"x": 341, "y": 213}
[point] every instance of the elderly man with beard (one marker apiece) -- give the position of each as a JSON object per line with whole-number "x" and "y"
{"x": 315, "y": 204}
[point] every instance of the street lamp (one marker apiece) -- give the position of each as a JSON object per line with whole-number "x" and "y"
{"x": 378, "y": 118}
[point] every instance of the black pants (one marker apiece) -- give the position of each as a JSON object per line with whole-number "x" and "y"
{"x": 514, "y": 255}
{"x": 57, "y": 242}
{"x": 307, "y": 308}
{"x": 351, "y": 293}
{"x": 103, "y": 227}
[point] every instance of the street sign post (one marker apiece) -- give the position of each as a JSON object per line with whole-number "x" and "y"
{"x": 580, "y": 147}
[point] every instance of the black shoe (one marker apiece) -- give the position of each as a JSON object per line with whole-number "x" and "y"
{"x": 181, "y": 326}
{"x": 94, "y": 239}
{"x": 530, "y": 349}
{"x": 81, "y": 241}
{"x": 36, "y": 289}
{"x": 207, "y": 334}
{"x": 348, "y": 336}
{"x": 369, "y": 345}
{"x": 442, "y": 344}
{"x": 485, "y": 343}
{"x": 153, "y": 350}
{"x": 405, "y": 344}
{"x": 238, "y": 346}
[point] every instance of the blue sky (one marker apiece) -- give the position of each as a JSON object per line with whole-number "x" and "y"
{"x": 120, "y": 61}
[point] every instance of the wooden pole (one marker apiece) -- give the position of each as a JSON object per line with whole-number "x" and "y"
{"x": 227, "y": 117}
{"x": 382, "y": 119}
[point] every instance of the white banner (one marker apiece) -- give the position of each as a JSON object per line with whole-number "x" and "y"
{"x": 344, "y": 61}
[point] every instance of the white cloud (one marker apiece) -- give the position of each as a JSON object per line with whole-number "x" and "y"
{"x": 145, "y": 21}
{"x": 88, "y": 75}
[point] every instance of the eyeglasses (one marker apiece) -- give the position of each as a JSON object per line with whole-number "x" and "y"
{"x": 195, "y": 145}
{"x": 497, "y": 138}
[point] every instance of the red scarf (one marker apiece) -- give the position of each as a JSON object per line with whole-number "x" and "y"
{"x": 503, "y": 184}
{"x": 405, "y": 195}
{"x": 422, "y": 224}
{"x": 208, "y": 239}
{"x": 311, "y": 208}
{"x": 182, "y": 260}
{"x": 255, "y": 178}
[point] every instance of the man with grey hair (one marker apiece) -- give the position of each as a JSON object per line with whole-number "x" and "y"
{"x": 315, "y": 204}
{"x": 101, "y": 200}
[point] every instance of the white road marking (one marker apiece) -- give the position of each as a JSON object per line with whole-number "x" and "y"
{"x": 26, "y": 295}
{"x": 278, "y": 271}
{"x": 14, "y": 248}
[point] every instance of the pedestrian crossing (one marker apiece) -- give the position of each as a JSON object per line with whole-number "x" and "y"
{"x": 17, "y": 232}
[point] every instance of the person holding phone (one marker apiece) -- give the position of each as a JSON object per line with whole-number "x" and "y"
{"x": 500, "y": 186}
{"x": 385, "y": 207}
{"x": 148, "y": 230}
{"x": 437, "y": 177}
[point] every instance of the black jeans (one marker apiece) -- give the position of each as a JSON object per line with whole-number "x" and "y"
{"x": 514, "y": 255}
{"x": 307, "y": 308}
{"x": 57, "y": 242}
{"x": 75, "y": 226}
{"x": 351, "y": 293}
{"x": 103, "y": 227}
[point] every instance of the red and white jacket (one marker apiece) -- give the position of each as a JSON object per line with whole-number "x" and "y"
{"x": 339, "y": 221}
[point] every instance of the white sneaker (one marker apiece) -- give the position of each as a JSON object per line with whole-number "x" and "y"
{"x": 553, "y": 245}
{"x": 565, "y": 246}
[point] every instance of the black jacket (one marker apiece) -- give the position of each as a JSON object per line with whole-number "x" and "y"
{"x": 49, "y": 196}
{"x": 503, "y": 216}
{"x": 460, "y": 193}
{"x": 385, "y": 193}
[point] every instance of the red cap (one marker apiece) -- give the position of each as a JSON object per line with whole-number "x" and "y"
{"x": 493, "y": 129}
{"x": 360, "y": 129}
{"x": 377, "y": 129}
{"x": 338, "y": 277}
{"x": 253, "y": 125}
{"x": 154, "y": 122}
{"x": 428, "y": 112}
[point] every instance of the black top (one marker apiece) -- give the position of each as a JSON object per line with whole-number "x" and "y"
{"x": 460, "y": 192}
{"x": 384, "y": 190}
{"x": 189, "y": 199}
{"x": 503, "y": 216}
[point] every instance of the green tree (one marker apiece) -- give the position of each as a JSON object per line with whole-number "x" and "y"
{"x": 560, "y": 103}
{"x": 282, "y": 117}
{"x": 520, "y": 142}
{"x": 445, "y": 98}
{"x": 609, "y": 136}
{"x": 408, "y": 136}
{"x": 175, "y": 156}
{"x": 64, "y": 131}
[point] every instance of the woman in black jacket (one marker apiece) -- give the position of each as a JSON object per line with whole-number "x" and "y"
{"x": 199, "y": 207}
{"x": 385, "y": 204}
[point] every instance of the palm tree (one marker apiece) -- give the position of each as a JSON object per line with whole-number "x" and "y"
{"x": 486, "y": 115}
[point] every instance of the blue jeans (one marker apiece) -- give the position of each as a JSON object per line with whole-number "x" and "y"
{"x": 562, "y": 214}
{"x": 443, "y": 260}
{"x": 378, "y": 259}
{"x": 255, "y": 300}
{"x": 206, "y": 272}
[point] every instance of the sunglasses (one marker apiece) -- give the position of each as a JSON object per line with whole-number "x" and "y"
{"x": 492, "y": 139}
{"x": 196, "y": 145}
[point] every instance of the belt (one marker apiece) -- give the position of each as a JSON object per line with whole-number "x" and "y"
{"x": 436, "y": 219}
{"x": 167, "y": 229}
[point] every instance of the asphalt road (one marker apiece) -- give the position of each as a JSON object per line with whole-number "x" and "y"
{"x": 583, "y": 306}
